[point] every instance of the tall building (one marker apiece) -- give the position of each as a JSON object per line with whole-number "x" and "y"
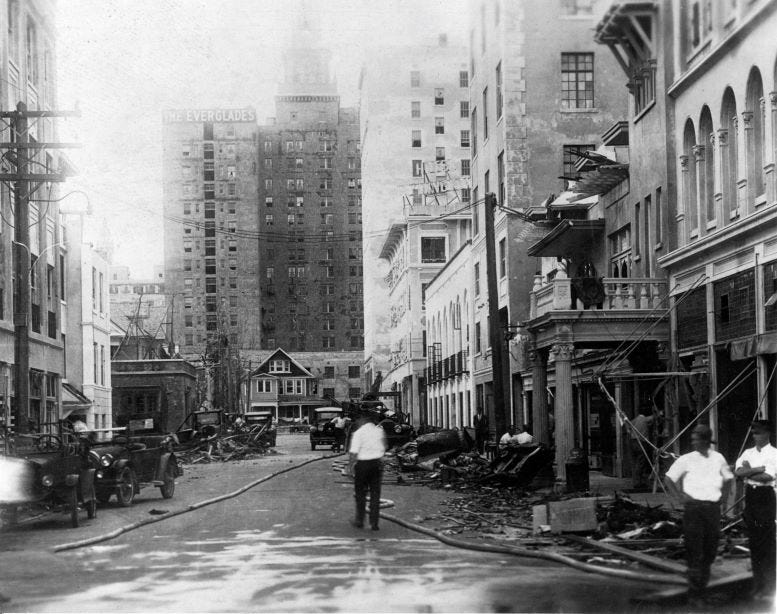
{"x": 416, "y": 168}
{"x": 310, "y": 209}
{"x": 210, "y": 227}
{"x": 541, "y": 91}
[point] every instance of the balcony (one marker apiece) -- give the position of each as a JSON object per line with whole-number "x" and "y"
{"x": 447, "y": 368}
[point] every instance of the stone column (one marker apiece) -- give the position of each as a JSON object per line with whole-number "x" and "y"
{"x": 698, "y": 204}
{"x": 539, "y": 403}
{"x": 682, "y": 205}
{"x": 745, "y": 140}
{"x": 770, "y": 155}
{"x": 721, "y": 177}
{"x": 564, "y": 408}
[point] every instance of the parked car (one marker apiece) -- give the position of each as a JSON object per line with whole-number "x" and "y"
{"x": 258, "y": 419}
{"x": 130, "y": 463}
{"x": 322, "y": 431}
{"x": 48, "y": 471}
{"x": 398, "y": 431}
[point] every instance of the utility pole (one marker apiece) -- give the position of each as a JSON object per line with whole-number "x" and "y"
{"x": 495, "y": 332}
{"x": 24, "y": 185}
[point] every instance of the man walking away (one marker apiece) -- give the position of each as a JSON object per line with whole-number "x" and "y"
{"x": 758, "y": 467}
{"x": 368, "y": 445}
{"x": 700, "y": 481}
{"x": 480, "y": 423}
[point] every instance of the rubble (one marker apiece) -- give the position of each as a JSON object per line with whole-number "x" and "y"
{"x": 226, "y": 446}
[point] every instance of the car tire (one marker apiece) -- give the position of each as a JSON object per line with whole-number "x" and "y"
{"x": 312, "y": 446}
{"x": 125, "y": 491}
{"x": 91, "y": 505}
{"x": 73, "y": 504}
{"x": 168, "y": 488}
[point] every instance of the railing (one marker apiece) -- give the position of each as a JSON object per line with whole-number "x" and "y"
{"x": 624, "y": 293}
{"x": 449, "y": 367}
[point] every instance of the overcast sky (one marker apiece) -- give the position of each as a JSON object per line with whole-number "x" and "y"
{"x": 124, "y": 61}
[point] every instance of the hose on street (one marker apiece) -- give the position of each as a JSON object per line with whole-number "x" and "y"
{"x": 536, "y": 554}
{"x": 194, "y": 506}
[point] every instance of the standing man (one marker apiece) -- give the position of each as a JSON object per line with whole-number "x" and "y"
{"x": 758, "y": 467}
{"x": 638, "y": 438}
{"x": 339, "y": 424}
{"x": 700, "y": 481}
{"x": 480, "y": 423}
{"x": 368, "y": 445}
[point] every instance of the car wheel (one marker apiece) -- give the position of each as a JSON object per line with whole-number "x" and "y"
{"x": 125, "y": 491}
{"x": 73, "y": 503}
{"x": 103, "y": 496}
{"x": 168, "y": 487}
{"x": 312, "y": 446}
{"x": 91, "y": 505}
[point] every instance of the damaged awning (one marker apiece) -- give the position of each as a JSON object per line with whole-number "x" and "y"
{"x": 73, "y": 400}
{"x": 602, "y": 179}
{"x": 753, "y": 345}
{"x": 569, "y": 237}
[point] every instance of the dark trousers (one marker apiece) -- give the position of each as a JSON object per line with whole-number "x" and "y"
{"x": 701, "y": 530}
{"x": 340, "y": 438}
{"x": 367, "y": 476}
{"x": 480, "y": 441}
{"x": 759, "y": 520}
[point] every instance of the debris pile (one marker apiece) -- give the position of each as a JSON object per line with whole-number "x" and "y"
{"x": 226, "y": 446}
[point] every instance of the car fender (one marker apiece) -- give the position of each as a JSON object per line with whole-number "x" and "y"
{"x": 164, "y": 460}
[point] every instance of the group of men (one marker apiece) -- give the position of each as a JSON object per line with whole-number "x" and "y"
{"x": 701, "y": 480}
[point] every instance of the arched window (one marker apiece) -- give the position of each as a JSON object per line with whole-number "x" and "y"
{"x": 754, "y": 132}
{"x": 728, "y": 135}
{"x": 707, "y": 180}
{"x": 688, "y": 167}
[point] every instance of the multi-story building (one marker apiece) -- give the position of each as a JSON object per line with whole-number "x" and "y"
{"x": 27, "y": 76}
{"x": 416, "y": 167}
{"x": 540, "y": 93}
{"x": 310, "y": 214}
{"x": 211, "y": 226}
{"x": 722, "y": 262}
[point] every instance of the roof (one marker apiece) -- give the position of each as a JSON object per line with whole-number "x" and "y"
{"x": 393, "y": 238}
{"x": 296, "y": 368}
{"x": 568, "y": 238}
{"x": 73, "y": 400}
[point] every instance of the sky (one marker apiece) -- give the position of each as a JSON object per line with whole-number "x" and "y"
{"x": 122, "y": 62}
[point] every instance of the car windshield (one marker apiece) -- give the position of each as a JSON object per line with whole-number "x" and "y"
{"x": 327, "y": 415}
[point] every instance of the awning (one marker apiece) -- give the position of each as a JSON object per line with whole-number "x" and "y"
{"x": 749, "y": 347}
{"x": 73, "y": 400}
{"x": 568, "y": 238}
{"x": 601, "y": 180}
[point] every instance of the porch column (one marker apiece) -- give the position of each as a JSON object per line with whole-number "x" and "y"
{"x": 564, "y": 410}
{"x": 539, "y": 398}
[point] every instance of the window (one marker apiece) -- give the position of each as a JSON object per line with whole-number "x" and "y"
{"x": 484, "y": 109}
{"x": 577, "y": 7}
{"x": 478, "y": 346}
{"x": 354, "y": 371}
{"x": 354, "y": 393}
{"x": 464, "y": 109}
{"x": 465, "y": 168}
{"x": 268, "y": 163}
{"x": 417, "y": 168}
{"x": 500, "y": 176}
{"x": 439, "y": 97}
{"x": 570, "y": 157}
{"x": 577, "y": 80}
{"x": 465, "y": 195}
{"x": 268, "y": 201}
{"x": 269, "y": 272}
{"x": 268, "y": 219}
{"x": 327, "y": 342}
{"x": 439, "y": 125}
{"x": 268, "y": 146}
{"x": 415, "y": 109}
{"x": 463, "y": 78}
{"x": 268, "y": 184}
{"x": 279, "y": 365}
{"x": 658, "y": 214}
{"x": 477, "y": 279}
{"x": 464, "y": 140}
{"x": 498, "y": 91}
{"x": 432, "y": 249}
{"x": 415, "y": 78}
{"x": 475, "y": 213}
{"x": 439, "y": 154}
{"x": 474, "y": 124}
{"x": 502, "y": 258}
{"x": 416, "y": 139}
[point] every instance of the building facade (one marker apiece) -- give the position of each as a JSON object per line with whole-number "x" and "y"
{"x": 540, "y": 92}
{"x": 416, "y": 164}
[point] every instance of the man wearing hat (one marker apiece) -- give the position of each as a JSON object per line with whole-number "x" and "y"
{"x": 700, "y": 480}
{"x": 758, "y": 467}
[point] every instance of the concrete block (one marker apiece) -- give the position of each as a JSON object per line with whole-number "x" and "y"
{"x": 572, "y": 515}
{"x": 539, "y": 518}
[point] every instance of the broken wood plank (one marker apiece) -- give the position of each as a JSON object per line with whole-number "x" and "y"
{"x": 647, "y": 559}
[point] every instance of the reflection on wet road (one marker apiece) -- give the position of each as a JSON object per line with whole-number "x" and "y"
{"x": 265, "y": 572}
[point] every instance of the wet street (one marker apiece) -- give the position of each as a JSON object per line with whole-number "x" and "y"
{"x": 285, "y": 546}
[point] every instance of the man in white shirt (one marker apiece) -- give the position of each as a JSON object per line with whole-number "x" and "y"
{"x": 522, "y": 436}
{"x": 758, "y": 467}
{"x": 368, "y": 445}
{"x": 700, "y": 481}
{"x": 505, "y": 439}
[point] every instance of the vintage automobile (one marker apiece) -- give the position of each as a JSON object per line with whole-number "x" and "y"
{"x": 322, "y": 431}
{"x": 262, "y": 420}
{"x": 48, "y": 471}
{"x": 129, "y": 463}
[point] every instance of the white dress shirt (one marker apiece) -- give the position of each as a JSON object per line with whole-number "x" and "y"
{"x": 766, "y": 457}
{"x": 368, "y": 442}
{"x": 702, "y": 476}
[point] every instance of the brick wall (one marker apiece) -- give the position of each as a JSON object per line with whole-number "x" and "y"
{"x": 692, "y": 319}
